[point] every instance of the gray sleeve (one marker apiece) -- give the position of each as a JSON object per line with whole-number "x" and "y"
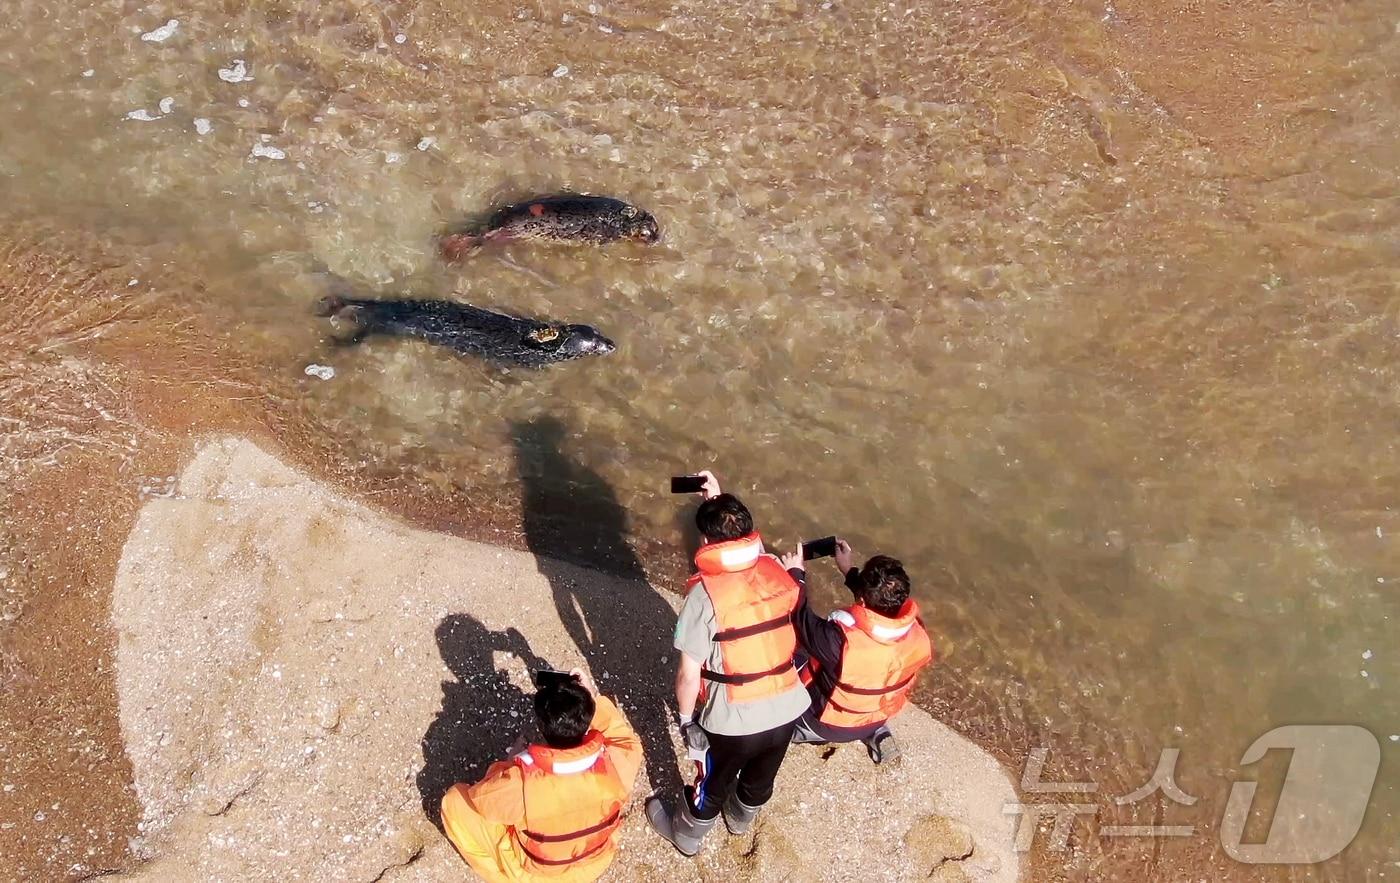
{"x": 695, "y": 627}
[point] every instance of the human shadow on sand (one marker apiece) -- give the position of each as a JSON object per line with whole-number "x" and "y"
{"x": 623, "y": 630}
{"x": 483, "y": 713}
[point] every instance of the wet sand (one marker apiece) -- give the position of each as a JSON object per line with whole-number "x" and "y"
{"x": 88, "y": 423}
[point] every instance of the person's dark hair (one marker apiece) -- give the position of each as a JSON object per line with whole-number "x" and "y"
{"x": 885, "y": 585}
{"x": 564, "y": 713}
{"x": 723, "y": 518}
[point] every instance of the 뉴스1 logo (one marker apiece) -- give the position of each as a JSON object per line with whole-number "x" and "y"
{"x": 1328, "y": 786}
{"x": 1324, "y": 797}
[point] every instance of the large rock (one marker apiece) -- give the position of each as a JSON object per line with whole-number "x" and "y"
{"x": 300, "y": 677}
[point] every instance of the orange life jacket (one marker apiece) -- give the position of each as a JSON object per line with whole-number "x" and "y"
{"x": 881, "y": 657}
{"x": 754, "y": 598}
{"x": 573, "y": 804}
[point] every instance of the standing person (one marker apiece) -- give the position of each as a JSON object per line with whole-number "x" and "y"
{"x": 863, "y": 659}
{"x": 552, "y": 811}
{"x": 736, "y": 645}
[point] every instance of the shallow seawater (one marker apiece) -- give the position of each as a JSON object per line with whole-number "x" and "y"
{"x": 1090, "y": 313}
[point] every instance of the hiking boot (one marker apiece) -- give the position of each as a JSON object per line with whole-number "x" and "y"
{"x": 883, "y": 748}
{"x": 738, "y": 815}
{"x": 681, "y": 828}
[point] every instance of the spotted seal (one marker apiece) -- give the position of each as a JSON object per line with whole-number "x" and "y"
{"x": 465, "y": 329}
{"x": 565, "y": 218}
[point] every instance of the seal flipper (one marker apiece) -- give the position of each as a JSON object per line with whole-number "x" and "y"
{"x": 348, "y": 323}
{"x": 458, "y": 246}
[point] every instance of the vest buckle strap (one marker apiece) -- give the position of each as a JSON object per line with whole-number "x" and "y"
{"x": 757, "y": 628}
{"x": 832, "y": 703}
{"x": 876, "y": 691}
{"x": 540, "y": 860}
{"x": 609, "y": 822}
{"x": 747, "y": 678}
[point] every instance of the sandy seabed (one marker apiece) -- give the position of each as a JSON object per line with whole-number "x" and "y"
{"x": 300, "y": 677}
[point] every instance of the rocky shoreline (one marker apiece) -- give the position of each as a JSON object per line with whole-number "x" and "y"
{"x": 299, "y": 676}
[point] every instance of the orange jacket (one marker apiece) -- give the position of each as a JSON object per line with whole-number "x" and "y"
{"x": 563, "y": 806}
{"x": 881, "y": 657}
{"x": 753, "y": 597}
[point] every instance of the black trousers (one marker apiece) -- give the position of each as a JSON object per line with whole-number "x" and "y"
{"x": 743, "y": 764}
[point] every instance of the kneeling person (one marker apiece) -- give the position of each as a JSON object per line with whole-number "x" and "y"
{"x": 552, "y": 811}
{"x": 863, "y": 659}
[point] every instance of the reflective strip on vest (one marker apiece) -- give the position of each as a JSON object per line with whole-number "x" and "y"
{"x": 742, "y": 556}
{"x": 569, "y": 767}
{"x": 888, "y": 634}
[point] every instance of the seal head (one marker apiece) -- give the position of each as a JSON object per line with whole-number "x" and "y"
{"x": 584, "y": 340}
{"x": 640, "y": 225}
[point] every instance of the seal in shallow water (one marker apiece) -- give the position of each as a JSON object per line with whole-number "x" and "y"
{"x": 566, "y": 218}
{"x": 469, "y": 330}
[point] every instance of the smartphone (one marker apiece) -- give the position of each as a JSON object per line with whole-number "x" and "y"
{"x": 687, "y": 484}
{"x": 822, "y": 548}
{"x": 549, "y": 677}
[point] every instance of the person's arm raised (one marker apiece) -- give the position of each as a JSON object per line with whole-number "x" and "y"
{"x": 623, "y": 746}
{"x": 818, "y": 636}
{"x": 711, "y": 488}
{"x": 845, "y": 562}
{"x": 607, "y": 717}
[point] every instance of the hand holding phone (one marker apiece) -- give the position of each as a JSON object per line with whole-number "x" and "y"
{"x": 822, "y": 548}
{"x": 703, "y": 483}
{"x": 584, "y": 678}
{"x": 844, "y": 556}
{"x": 687, "y": 484}
{"x": 711, "y": 488}
{"x": 793, "y": 560}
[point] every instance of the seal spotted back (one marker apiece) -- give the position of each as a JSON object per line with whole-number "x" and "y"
{"x": 565, "y": 218}
{"x": 465, "y": 329}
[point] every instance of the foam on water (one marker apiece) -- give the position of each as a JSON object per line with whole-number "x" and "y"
{"x": 237, "y": 72}
{"x": 162, "y": 33}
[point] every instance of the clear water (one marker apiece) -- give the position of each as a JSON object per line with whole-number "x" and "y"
{"x": 1088, "y": 312}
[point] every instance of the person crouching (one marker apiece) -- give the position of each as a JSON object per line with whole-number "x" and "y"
{"x": 863, "y": 659}
{"x": 552, "y": 811}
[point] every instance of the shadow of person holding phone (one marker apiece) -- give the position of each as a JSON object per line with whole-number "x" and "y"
{"x": 622, "y": 627}
{"x": 483, "y": 713}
